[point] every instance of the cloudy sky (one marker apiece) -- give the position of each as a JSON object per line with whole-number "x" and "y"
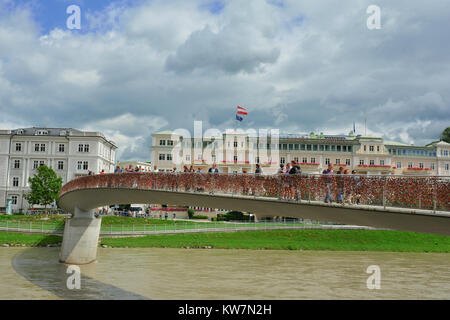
{"x": 138, "y": 66}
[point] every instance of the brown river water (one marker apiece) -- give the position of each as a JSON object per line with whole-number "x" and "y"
{"x": 156, "y": 273}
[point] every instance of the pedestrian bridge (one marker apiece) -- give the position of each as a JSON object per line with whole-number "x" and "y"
{"x": 419, "y": 204}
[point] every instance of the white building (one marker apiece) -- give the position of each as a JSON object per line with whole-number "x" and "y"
{"x": 71, "y": 153}
{"x": 144, "y": 166}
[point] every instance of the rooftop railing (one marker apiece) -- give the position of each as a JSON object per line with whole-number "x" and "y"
{"x": 416, "y": 192}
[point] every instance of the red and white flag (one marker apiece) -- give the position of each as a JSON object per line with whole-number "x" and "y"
{"x": 242, "y": 111}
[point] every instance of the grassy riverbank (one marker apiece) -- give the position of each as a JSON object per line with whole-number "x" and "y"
{"x": 28, "y": 239}
{"x": 337, "y": 240}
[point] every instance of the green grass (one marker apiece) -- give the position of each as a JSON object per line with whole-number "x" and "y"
{"x": 338, "y": 240}
{"x": 28, "y": 239}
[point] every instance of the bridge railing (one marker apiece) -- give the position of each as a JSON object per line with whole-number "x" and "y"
{"x": 420, "y": 192}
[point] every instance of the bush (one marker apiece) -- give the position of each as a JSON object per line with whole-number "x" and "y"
{"x": 191, "y": 213}
{"x": 199, "y": 217}
{"x": 233, "y": 216}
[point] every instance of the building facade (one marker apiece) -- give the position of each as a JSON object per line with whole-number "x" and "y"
{"x": 71, "y": 153}
{"x": 143, "y": 166}
{"x": 235, "y": 152}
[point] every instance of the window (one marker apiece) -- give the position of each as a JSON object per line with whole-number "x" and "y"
{"x": 296, "y": 159}
{"x": 410, "y": 164}
{"x": 321, "y": 147}
{"x": 15, "y": 182}
{"x": 42, "y": 147}
{"x": 365, "y": 148}
{"x": 446, "y": 167}
{"x": 169, "y": 157}
{"x": 188, "y": 157}
{"x": 315, "y": 147}
{"x": 80, "y": 148}
{"x": 285, "y": 146}
{"x": 35, "y": 164}
{"x": 61, "y": 148}
{"x": 327, "y": 161}
{"x": 333, "y": 148}
{"x": 18, "y": 147}
{"x": 338, "y": 161}
{"x": 235, "y": 144}
{"x": 338, "y": 148}
{"x": 399, "y": 165}
{"x": 347, "y": 162}
{"x": 313, "y": 160}
{"x": 302, "y": 147}
{"x": 60, "y": 165}
{"x": 162, "y": 142}
{"x": 291, "y": 146}
{"x": 371, "y": 162}
{"x": 282, "y": 160}
{"x": 344, "y": 148}
{"x": 14, "y": 199}
{"x": 361, "y": 162}
{"x": 41, "y": 163}
{"x": 432, "y": 166}
{"x": 382, "y": 162}
{"x": 257, "y": 160}
{"x": 36, "y": 147}
{"x": 421, "y": 165}
{"x": 16, "y": 164}
{"x": 170, "y": 142}
{"x": 162, "y": 157}
{"x": 235, "y": 158}
{"x": 378, "y": 148}
{"x": 86, "y": 148}
{"x": 371, "y": 148}
{"x": 296, "y": 146}
{"x": 327, "y": 148}
{"x": 308, "y": 147}
{"x": 445, "y": 153}
{"x": 83, "y": 165}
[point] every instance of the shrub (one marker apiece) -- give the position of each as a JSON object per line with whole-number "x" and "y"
{"x": 191, "y": 213}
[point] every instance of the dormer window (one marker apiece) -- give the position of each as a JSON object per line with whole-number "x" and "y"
{"x": 20, "y": 131}
{"x": 63, "y": 133}
{"x": 41, "y": 132}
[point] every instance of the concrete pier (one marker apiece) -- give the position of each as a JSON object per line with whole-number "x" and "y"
{"x": 80, "y": 239}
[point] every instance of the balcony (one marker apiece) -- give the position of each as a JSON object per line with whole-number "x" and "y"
{"x": 416, "y": 171}
{"x": 374, "y": 168}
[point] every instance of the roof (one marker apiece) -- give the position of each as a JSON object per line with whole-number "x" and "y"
{"x": 395, "y": 143}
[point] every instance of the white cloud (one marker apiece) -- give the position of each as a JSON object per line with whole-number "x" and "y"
{"x": 295, "y": 65}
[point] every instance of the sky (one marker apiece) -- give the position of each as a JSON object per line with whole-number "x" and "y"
{"x": 140, "y": 66}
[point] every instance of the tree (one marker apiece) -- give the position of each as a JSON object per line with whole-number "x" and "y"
{"x": 45, "y": 187}
{"x": 190, "y": 213}
{"x": 445, "y": 135}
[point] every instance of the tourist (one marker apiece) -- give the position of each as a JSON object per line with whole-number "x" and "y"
{"x": 191, "y": 169}
{"x": 103, "y": 171}
{"x": 213, "y": 169}
{"x": 185, "y": 169}
{"x": 295, "y": 169}
{"x": 117, "y": 170}
{"x": 281, "y": 169}
{"x": 328, "y": 171}
{"x": 258, "y": 169}
{"x": 90, "y": 173}
{"x": 356, "y": 188}
{"x": 166, "y": 215}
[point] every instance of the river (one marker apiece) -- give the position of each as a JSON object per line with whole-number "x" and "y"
{"x": 158, "y": 273}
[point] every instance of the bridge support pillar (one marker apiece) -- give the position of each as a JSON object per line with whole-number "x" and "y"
{"x": 80, "y": 238}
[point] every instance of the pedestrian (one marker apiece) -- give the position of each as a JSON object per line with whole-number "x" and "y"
{"x": 213, "y": 169}
{"x": 281, "y": 169}
{"x": 258, "y": 169}
{"x": 328, "y": 171}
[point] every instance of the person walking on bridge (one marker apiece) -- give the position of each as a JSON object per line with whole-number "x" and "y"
{"x": 328, "y": 171}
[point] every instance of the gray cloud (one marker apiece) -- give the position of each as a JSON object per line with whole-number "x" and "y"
{"x": 163, "y": 64}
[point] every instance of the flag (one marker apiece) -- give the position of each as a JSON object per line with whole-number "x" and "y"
{"x": 240, "y": 113}
{"x": 354, "y": 127}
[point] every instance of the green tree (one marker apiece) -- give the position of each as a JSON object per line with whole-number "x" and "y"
{"x": 45, "y": 187}
{"x": 191, "y": 213}
{"x": 445, "y": 136}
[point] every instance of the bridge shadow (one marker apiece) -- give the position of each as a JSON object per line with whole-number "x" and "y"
{"x": 41, "y": 266}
